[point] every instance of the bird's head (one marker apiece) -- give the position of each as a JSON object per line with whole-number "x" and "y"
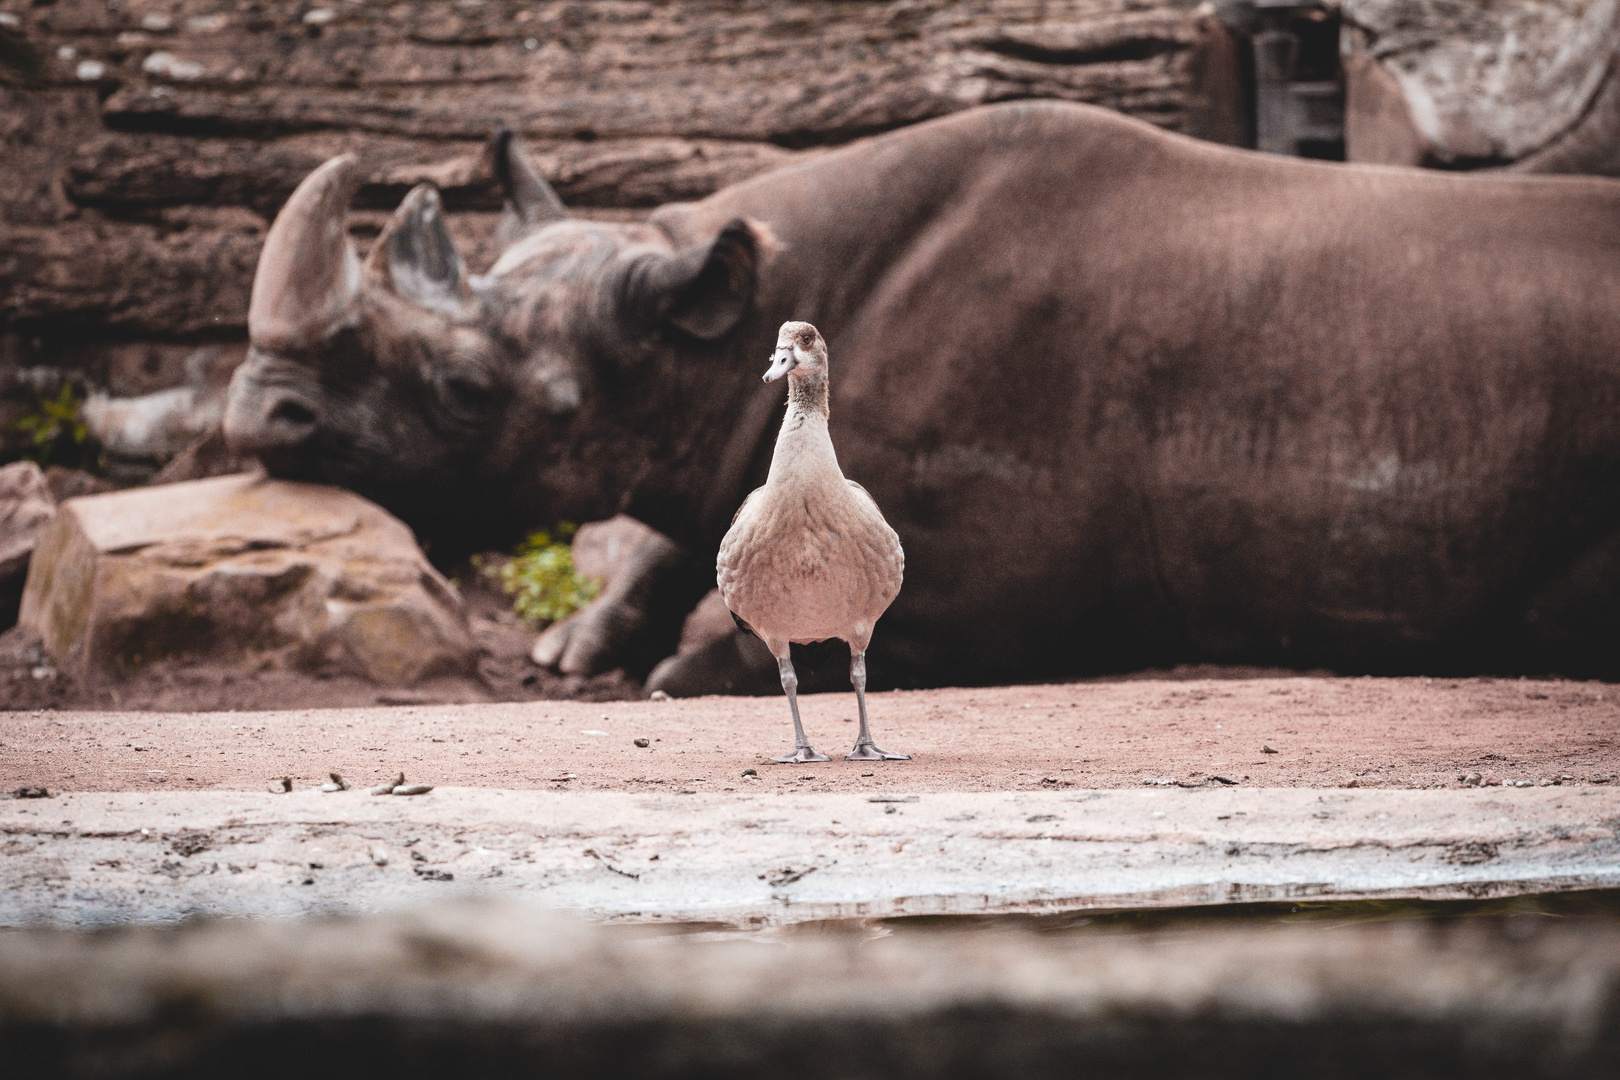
{"x": 800, "y": 352}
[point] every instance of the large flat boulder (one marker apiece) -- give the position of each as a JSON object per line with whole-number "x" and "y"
{"x": 244, "y": 570}
{"x": 26, "y": 507}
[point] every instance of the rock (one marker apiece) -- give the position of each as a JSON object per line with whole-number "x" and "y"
{"x": 643, "y": 743}
{"x": 26, "y": 507}
{"x": 244, "y": 571}
{"x": 1447, "y": 83}
{"x": 605, "y": 549}
{"x": 708, "y": 622}
{"x": 280, "y": 785}
{"x": 67, "y": 483}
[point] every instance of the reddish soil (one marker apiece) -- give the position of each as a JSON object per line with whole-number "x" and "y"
{"x": 1325, "y": 731}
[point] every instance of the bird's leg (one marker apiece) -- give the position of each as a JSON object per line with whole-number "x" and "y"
{"x": 864, "y": 750}
{"x": 802, "y": 749}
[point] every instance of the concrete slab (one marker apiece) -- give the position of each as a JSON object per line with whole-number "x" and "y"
{"x": 755, "y": 859}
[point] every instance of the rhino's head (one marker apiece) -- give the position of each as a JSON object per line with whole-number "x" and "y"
{"x": 427, "y": 389}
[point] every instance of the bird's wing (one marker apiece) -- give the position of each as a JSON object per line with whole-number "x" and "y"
{"x": 750, "y": 499}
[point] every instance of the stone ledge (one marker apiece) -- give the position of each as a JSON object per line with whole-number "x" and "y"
{"x": 751, "y": 860}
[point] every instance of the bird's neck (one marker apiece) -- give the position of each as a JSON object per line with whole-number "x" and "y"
{"x": 808, "y": 394}
{"x": 804, "y": 448}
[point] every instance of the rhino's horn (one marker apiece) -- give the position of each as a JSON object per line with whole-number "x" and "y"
{"x": 530, "y": 202}
{"x": 308, "y": 274}
{"x": 416, "y": 258}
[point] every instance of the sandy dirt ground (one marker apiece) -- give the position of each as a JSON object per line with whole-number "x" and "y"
{"x": 1283, "y": 732}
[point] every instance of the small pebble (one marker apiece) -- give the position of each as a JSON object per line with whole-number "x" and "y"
{"x": 1471, "y": 779}
{"x": 413, "y": 789}
{"x": 657, "y": 695}
{"x": 337, "y": 784}
{"x": 1491, "y": 780}
{"x": 643, "y": 742}
{"x": 750, "y": 772}
{"x": 1266, "y": 750}
{"x": 280, "y": 785}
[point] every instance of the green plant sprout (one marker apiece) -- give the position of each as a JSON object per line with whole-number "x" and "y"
{"x": 56, "y": 423}
{"x": 541, "y": 579}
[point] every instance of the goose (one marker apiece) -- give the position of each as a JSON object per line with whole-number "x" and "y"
{"x": 808, "y": 556}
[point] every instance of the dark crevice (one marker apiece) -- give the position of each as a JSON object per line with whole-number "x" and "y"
{"x": 161, "y": 123}
{"x": 1114, "y": 52}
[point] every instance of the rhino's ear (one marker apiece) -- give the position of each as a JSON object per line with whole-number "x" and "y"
{"x": 530, "y": 202}
{"x": 706, "y": 289}
{"x": 416, "y": 259}
{"x": 308, "y": 274}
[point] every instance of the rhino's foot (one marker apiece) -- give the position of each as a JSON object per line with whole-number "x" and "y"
{"x": 865, "y": 751}
{"x": 801, "y": 755}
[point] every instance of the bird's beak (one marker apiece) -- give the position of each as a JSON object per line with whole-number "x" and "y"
{"x": 782, "y": 362}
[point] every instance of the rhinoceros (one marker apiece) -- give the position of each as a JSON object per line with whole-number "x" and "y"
{"x": 1128, "y": 398}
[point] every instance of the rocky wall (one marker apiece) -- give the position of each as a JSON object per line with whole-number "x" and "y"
{"x": 146, "y": 144}
{"x": 1526, "y": 84}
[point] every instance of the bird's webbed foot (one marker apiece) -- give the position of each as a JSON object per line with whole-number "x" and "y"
{"x": 865, "y": 751}
{"x": 801, "y": 755}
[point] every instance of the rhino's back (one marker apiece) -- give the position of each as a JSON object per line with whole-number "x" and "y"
{"x": 1086, "y": 365}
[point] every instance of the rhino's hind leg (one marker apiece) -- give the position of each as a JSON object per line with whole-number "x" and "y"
{"x": 864, "y": 749}
{"x": 802, "y": 751}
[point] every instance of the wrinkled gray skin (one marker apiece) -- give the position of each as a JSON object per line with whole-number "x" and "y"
{"x": 1127, "y": 398}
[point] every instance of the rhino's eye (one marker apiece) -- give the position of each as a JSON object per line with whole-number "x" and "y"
{"x": 466, "y": 391}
